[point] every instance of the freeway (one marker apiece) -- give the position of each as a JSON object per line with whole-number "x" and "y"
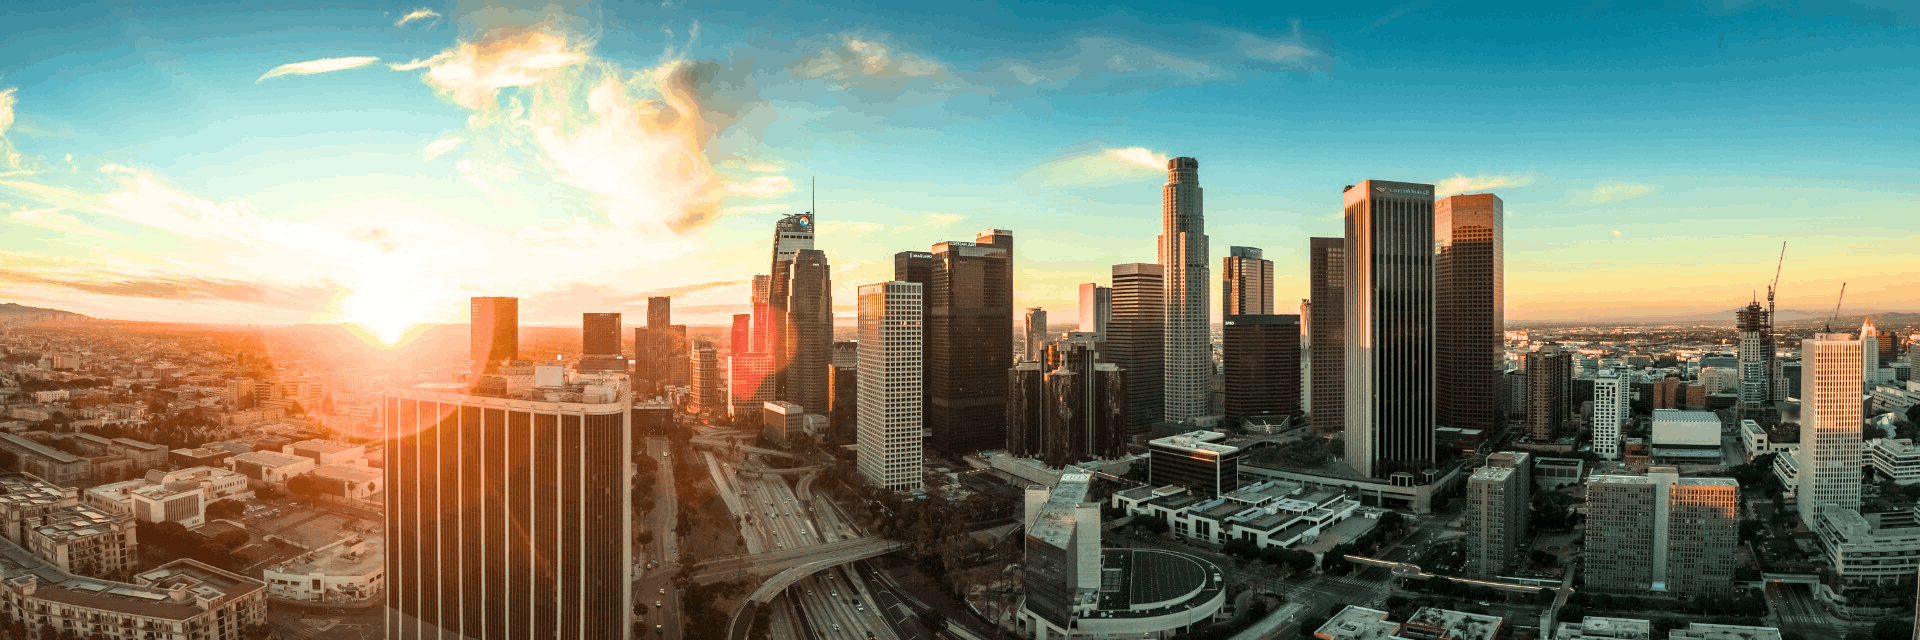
{"x": 767, "y": 564}
{"x": 654, "y": 587}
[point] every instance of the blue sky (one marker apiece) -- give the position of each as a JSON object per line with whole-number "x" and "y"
{"x": 1652, "y": 156}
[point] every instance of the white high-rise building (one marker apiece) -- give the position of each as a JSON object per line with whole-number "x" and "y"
{"x": 1183, "y": 257}
{"x": 1829, "y": 424}
{"x": 1096, "y": 310}
{"x": 889, "y": 404}
{"x": 1612, "y": 398}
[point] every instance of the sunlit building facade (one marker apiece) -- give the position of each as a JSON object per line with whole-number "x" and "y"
{"x": 1830, "y": 369}
{"x": 1470, "y": 309}
{"x": 1389, "y": 328}
{"x": 888, "y": 431}
{"x": 1188, "y": 360}
{"x": 493, "y": 328}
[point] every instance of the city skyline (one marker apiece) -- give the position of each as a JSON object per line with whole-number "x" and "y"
{"x": 212, "y": 221}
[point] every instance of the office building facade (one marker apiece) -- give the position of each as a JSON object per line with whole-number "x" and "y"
{"x": 509, "y": 517}
{"x": 1549, "y": 392}
{"x": 703, "y": 362}
{"x": 889, "y": 397}
{"x": 1188, "y": 363}
{"x": 1197, "y": 460}
{"x": 493, "y": 328}
{"x": 1034, "y": 338}
{"x": 1135, "y": 340}
{"x": 1096, "y": 310}
{"x": 1261, "y": 354}
{"x": 1829, "y": 424}
{"x": 1326, "y": 324}
{"x": 1470, "y": 309}
{"x": 791, "y": 235}
{"x": 1661, "y": 534}
{"x": 600, "y": 334}
{"x": 809, "y": 330}
{"x": 1389, "y": 327}
{"x": 1498, "y": 498}
{"x": 969, "y": 342}
{"x": 1612, "y": 403}
{"x": 1246, "y": 283}
{"x": 1067, "y": 408}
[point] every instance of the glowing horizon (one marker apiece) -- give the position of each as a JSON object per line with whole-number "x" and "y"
{"x": 377, "y": 167}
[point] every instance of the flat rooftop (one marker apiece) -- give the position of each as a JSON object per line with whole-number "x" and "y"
{"x": 1358, "y": 623}
{"x": 1146, "y": 583}
{"x": 80, "y": 521}
{"x": 349, "y": 557}
{"x": 19, "y": 490}
{"x": 1196, "y": 441}
{"x": 271, "y": 458}
{"x": 1457, "y": 625}
{"x": 1055, "y": 522}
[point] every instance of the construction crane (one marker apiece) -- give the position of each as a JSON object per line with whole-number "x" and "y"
{"x": 1836, "y": 307}
{"x": 1776, "y": 285}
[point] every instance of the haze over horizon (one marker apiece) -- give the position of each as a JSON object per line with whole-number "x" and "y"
{"x": 377, "y": 164}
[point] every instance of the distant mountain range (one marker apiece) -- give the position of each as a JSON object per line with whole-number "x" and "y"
{"x": 22, "y": 313}
{"x": 1785, "y": 318}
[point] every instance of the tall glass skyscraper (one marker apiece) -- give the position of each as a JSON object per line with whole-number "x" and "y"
{"x": 1470, "y": 305}
{"x": 1829, "y": 453}
{"x": 493, "y": 329}
{"x": 809, "y": 330}
{"x": 1389, "y": 327}
{"x": 791, "y": 234}
{"x": 1183, "y": 259}
{"x": 969, "y": 342}
{"x": 600, "y": 334}
{"x": 1326, "y": 324}
{"x": 509, "y": 517}
{"x": 1135, "y": 339}
{"x": 1246, "y": 283}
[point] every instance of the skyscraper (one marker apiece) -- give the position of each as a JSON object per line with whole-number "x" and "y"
{"x": 1135, "y": 340}
{"x": 1755, "y": 357}
{"x": 1829, "y": 424}
{"x": 762, "y": 338}
{"x": 600, "y": 334}
{"x": 809, "y": 335}
{"x": 889, "y": 399}
{"x": 1183, "y": 258}
{"x": 1389, "y": 327}
{"x": 1326, "y": 324}
{"x": 509, "y": 517}
{"x": 675, "y": 356}
{"x": 791, "y": 234}
{"x": 659, "y": 312}
{"x": 493, "y": 329}
{"x": 1067, "y": 407}
{"x": 1470, "y": 309}
{"x": 969, "y": 342}
{"x": 1869, "y": 354}
{"x": 1096, "y": 310}
{"x": 1261, "y": 354}
{"x": 703, "y": 366}
{"x": 1612, "y": 397}
{"x": 843, "y": 391}
{"x": 1246, "y": 283}
{"x": 740, "y": 337}
{"x": 749, "y": 384}
{"x": 1549, "y": 392}
{"x": 1035, "y": 334}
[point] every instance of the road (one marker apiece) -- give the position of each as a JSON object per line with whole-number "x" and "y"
{"x": 654, "y": 587}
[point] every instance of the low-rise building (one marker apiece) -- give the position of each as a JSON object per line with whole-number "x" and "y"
{"x": 1272, "y": 514}
{"x": 172, "y": 496}
{"x": 1895, "y": 396}
{"x": 25, "y": 498}
{"x": 1704, "y": 631}
{"x": 1553, "y": 474}
{"x": 1685, "y": 437}
{"x": 270, "y": 467}
{"x": 199, "y": 457}
{"x": 351, "y": 482}
{"x": 1598, "y": 628}
{"x": 327, "y": 452}
{"x": 1433, "y": 623}
{"x": 346, "y": 572}
{"x": 1197, "y": 460}
{"x": 1755, "y": 442}
{"x": 1357, "y": 623}
{"x": 1873, "y": 550}
{"x": 1894, "y": 459}
{"x": 84, "y": 540}
{"x": 45, "y": 462}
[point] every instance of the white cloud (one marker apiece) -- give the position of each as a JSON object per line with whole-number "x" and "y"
{"x": 323, "y": 65}
{"x": 473, "y": 72}
{"x": 7, "y": 100}
{"x": 1612, "y": 192}
{"x": 422, "y": 13}
{"x": 440, "y": 147}
{"x": 51, "y": 218}
{"x": 1096, "y": 167}
{"x": 1460, "y": 183}
{"x": 756, "y": 208}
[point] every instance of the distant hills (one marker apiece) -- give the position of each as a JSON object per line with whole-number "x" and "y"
{"x": 1786, "y": 318}
{"x": 11, "y": 312}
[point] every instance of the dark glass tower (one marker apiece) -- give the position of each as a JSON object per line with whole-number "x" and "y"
{"x": 790, "y": 235}
{"x": 493, "y": 329}
{"x": 600, "y": 334}
{"x": 506, "y": 518}
{"x": 1470, "y": 304}
{"x": 1262, "y": 358}
{"x": 1549, "y": 392}
{"x": 1389, "y": 327}
{"x": 809, "y": 334}
{"x": 1246, "y": 283}
{"x": 969, "y": 342}
{"x": 1135, "y": 340}
{"x": 1326, "y": 326}
{"x": 1067, "y": 407}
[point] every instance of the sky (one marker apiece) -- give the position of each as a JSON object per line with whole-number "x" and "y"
{"x": 281, "y": 162}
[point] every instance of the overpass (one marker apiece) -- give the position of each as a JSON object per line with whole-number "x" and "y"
{"x": 738, "y": 626}
{"x": 771, "y": 564}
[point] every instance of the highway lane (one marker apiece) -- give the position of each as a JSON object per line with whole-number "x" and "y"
{"x": 654, "y": 587}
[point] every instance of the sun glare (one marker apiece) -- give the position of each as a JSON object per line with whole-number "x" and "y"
{"x": 382, "y": 316}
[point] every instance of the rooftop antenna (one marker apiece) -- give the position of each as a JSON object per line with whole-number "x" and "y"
{"x": 813, "y": 196}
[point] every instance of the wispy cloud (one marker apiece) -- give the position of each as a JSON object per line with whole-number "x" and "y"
{"x": 7, "y": 100}
{"x": 1460, "y": 183}
{"x": 1612, "y": 192}
{"x": 323, "y": 65}
{"x": 422, "y": 13}
{"x": 53, "y": 219}
{"x": 1096, "y": 167}
{"x": 757, "y": 208}
{"x": 440, "y": 147}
